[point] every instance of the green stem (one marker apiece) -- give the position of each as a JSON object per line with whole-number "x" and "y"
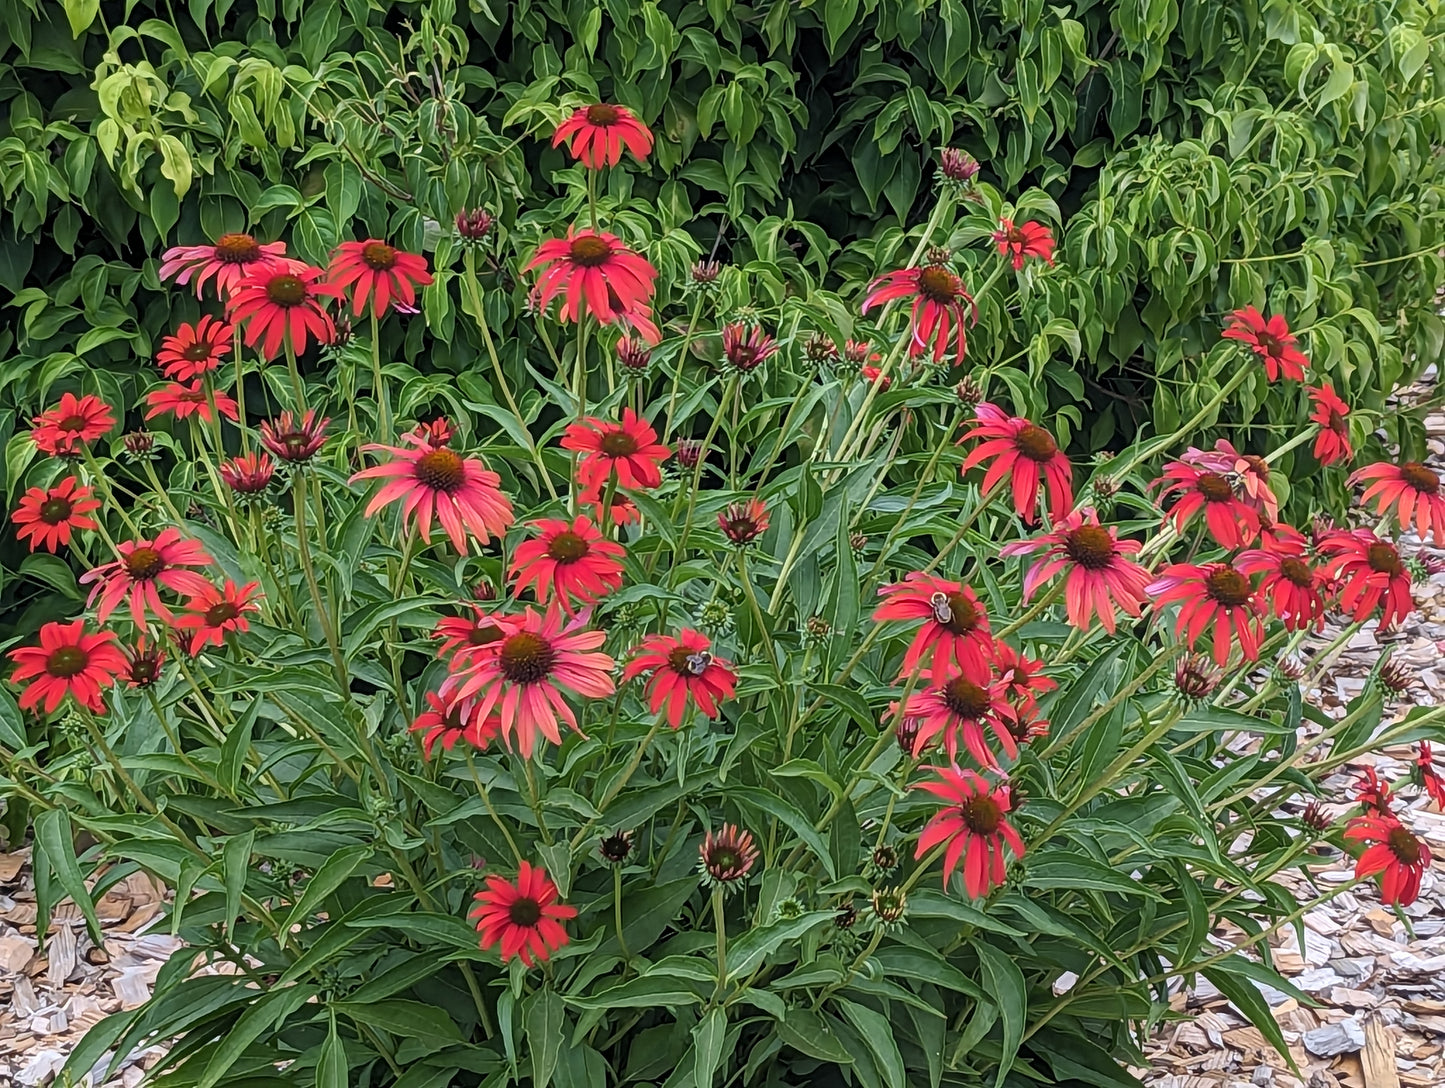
{"x": 380, "y": 392}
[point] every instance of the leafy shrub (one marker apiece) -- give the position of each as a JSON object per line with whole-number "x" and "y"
{"x": 369, "y": 702}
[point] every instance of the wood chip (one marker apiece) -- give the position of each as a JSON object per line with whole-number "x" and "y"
{"x": 1378, "y": 1056}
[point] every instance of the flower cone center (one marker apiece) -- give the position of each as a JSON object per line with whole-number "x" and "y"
{"x": 524, "y": 912}
{"x": 1036, "y": 444}
{"x": 441, "y": 470}
{"x": 1214, "y": 487}
{"x": 982, "y": 815}
{"x": 618, "y": 444}
{"x": 198, "y": 352}
{"x": 1227, "y": 586}
{"x": 286, "y": 290}
{"x": 1090, "y": 546}
{"x": 144, "y": 563}
{"x": 566, "y": 547}
{"x": 221, "y": 613}
{"x": 938, "y": 284}
{"x": 526, "y": 658}
{"x": 237, "y": 248}
{"x": 378, "y": 256}
{"x": 603, "y": 115}
{"x": 67, "y": 661}
{"x": 1384, "y": 559}
{"x": 55, "y": 511}
{"x": 1257, "y": 465}
{"x": 962, "y": 614}
{"x": 1419, "y": 477}
{"x": 590, "y": 250}
{"x": 73, "y": 424}
{"x": 483, "y": 634}
{"x": 965, "y": 698}
{"x": 1297, "y": 571}
{"x": 1404, "y": 846}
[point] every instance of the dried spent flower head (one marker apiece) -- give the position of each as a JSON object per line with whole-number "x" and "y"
{"x": 727, "y": 856}
{"x": 968, "y": 392}
{"x": 937, "y": 255}
{"x": 1196, "y": 676}
{"x": 1396, "y": 676}
{"x": 474, "y": 225}
{"x": 889, "y": 905}
{"x": 1104, "y": 487}
{"x": 847, "y": 916}
{"x": 959, "y": 167}
{"x": 858, "y": 541}
{"x": 819, "y": 348}
{"x": 688, "y": 452}
{"x": 1315, "y": 818}
{"x": 1290, "y": 667}
{"x": 616, "y": 848}
{"x": 633, "y": 354}
{"x": 815, "y": 631}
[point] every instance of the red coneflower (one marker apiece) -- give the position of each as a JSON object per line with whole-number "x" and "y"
{"x": 143, "y": 663}
{"x": 942, "y": 307}
{"x": 1271, "y": 340}
{"x": 216, "y": 611}
{"x": 1394, "y": 850}
{"x": 1099, "y": 577}
{"x": 955, "y": 625}
{"x": 596, "y": 273}
{"x": 1029, "y": 240}
{"x": 184, "y": 401}
{"x": 1246, "y": 473}
{"x": 1412, "y": 489}
{"x": 599, "y": 133}
{"x": 1022, "y": 452}
{"x": 439, "y": 484}
{"x": 193, "y": 350}
{"x": 874, "y": 376}
{"x": 1430, "y": 780}
{"x": 439, "y": 432}
{"x": 958, "y": 166}
{"x": 1372, "y": 794}
{"x": 726, "y": 856}
{"x": 1022, "y": 678}
{"x": 248, "y": 474}
{"x": 280, "y": 304}
{"x": 571, "y": 561}
{"x": 451, "y": 720}
{"x": 746, "y": 347}
{"x": 623, "y": 510}
{"x": 75, "y": 420}
{"x": 1291, "y": 586}
{"x": 459, "y": 633}
{"x": 633, "y": 354}
{"x": 1371, "y": 573}
{"x": 959, "y": 708}
{"x": 525, "y": 917}
{"x": 142, "y": 567}
{"x": 743, "y": 522}
{"x": 683, "y": 668}
{"x": 973, "y": 825}
{"x": 67, "y": 662}
{"x": 1232, "y": 522}
{"x": 859, "y": 352}
{"x": 228, "y": 261}
{"x": 629, "y": 450}
{"x": 523, "y": 676}
{"x": 47, "y": 518}
{"x": 1212, "y": 594}
{"x": 292, "y": 440}
{"x": 1332, "y": 444}
{"x": 377, "y": 273}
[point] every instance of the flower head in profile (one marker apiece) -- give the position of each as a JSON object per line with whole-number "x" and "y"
{"x": 377, "y": 274}
{"x": 569, "y": 561}
{"x": 437, "y": 484}
{"x": 1024, "y": 454}
{"x": 229, "y": 260}
{"x": 74, "y": 422}
{"x": 942, "y": 308}
{"x": 1393, "y": 850}
{"x": 973, "y": 824}
{"x": 1022, "y": 678}
{"x": 726, "y": 856}
{"x": 212, "y": 615}
{"x": 280, "y": 304}
{"x": 684, "y": 671}
{"x": 248, "y": 474}
{"x": 616, "y": 846}
{"x": 622, "y": 511}
{"x": 634, "y": 355}
{"x": 1196, "y": 677}
{"x": 746, "y": 347}
{"x": 526, "y": 675}
{"x": 184, "y": 401}
{"x": 474, "y": 225}
{"x": 958, "y": 167}
{"x": 1271, "y": 340}
{"x": 67, "y": 662}
{"x": 193, "y": 350}
{"x": 1373, "y": 794}
{"x": 294, "y": 440}
{"x": 598, "y": 134}
{"x": 1411, "y": 490}
{"x": 628, "y": 451}
{"x": 447, "y": 721}
{"x": 954, "y": 629}
{"x": 461, "y": 633}
{"x": 1099, "y": 575}
{"x": 142, "y": 569}
{"x": 1231, "y": 521}
{"x": 958, "y": 707}
{"x": 47, "y": 517}
{"x": 1019, "y": 242}
{"x": 1212, "y": 597}
{"x": 743, "y": 522}
{"x": 524, "y": 916}
{"x": 1332, "y": 444}
{"x": 873, "y": 376}
{"x": 596, "y": 273}
{"x": 1429, "y": 778}
{"x": 1370, "y": 574}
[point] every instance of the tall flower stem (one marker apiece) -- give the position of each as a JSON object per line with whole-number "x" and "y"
{"x": 728, "y": 392}
{"x": 720, "y": 918}
{"x": 323, "y": 614}
{"x": 102, "y": 484}
{"x": 617, "y": 913}
{"x": 491, "y": 810}
{"x": 679, "y": 363}
{"x": 382, "y": 400}
{"x": 241, "y": 394}
{"x": 298, "y": 389}
{"x": 620, "y": 783}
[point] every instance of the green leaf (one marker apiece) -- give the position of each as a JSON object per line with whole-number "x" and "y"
{"x": 12, "y": 723}
{"x": 402, "y": 1018}
{"x": 325, "y": 881}
{"x": 261, "y": 1015}
{"x": 235, "y": 863}
{"x": 1245, "y": 997}
{"x": 542, "y": 1021}
{"x": 707, "y": 1043}
{"x": 1059, "y": 870}
{"x": 749, "y": 950}
{"x": 80, "y": 14}
{"x": 799, "y": 824}
{"x": 56, "y": 840}
{"x": 640, "y": 993}
{"x": 877, "y": 1033}
{"x": 806, "y": 1032}
{"x": 332, "y": 1070}
{"x": 1005, "y": 984}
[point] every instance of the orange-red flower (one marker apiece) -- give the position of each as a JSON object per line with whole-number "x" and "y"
{"x": 746, "y": 347}
{"x": 973, "y": 825}
{"x": 229, "y": 261}
{"x": 1270, "y": 339}
{"x": 184, "y": 401}
{"x": 1022, "y": 678}
{"x": 377, "y": 273}
{"x": 1231, "y": 521}
{"x": 248, "y": 473}
{"x": 629, "y": 450}
{"x": 47, "y": 518}
{"x": 141, "y": 569}
{"x": 459, "y": 633}
{"x": 280, "y": 304}
{"x": 524, "y": 916}
{"x": 1430, "y": 779}
{"x": 569, "y": 561}
{"x": 214, "y": 612}
{"x": 1371, "y": 575}
{"x": 1394, "y": 850}
{"x": 1332, "y": 444}
{"x": 743, "y": 522}
{"x": 1292, "y": 586}
{"x": 942, "y": 307}
{"x": 1022, "y": 453}
{"x": 1412, "y": 489}
{"x": 67, "y": 662}
{"x": 1099, "y": 577}
{"x": 193, "y": 350}
{"x": 954, "y": 628}
{"x": 1212, "y": 595}
{"x": 599, "y": 133}
{"x": 294, "y": 440}
{"x": 595, "y": 273}
{"x": 683, "y": 668}
{"x": 960, "y": 708}
{"x": 1027, "y": 240}
{"x": 72, "y": 422}
{"x": 1247, "y": 473}
{"x": 143, "y": 662}
{"x": 1373, "y": 794}
{"x": 451, "y": 720}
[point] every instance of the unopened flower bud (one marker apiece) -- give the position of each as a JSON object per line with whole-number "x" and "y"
{"x": 819, "y": 349}
{"x": 958, "y": 166}
{"x": 968, "y": 392}
{"x": 633, "y": 354}
{"x": 688, "y": 452}
{"x": 474, "y": 225}
{"x": 1290, "y": 667}
{"x": 1196, "y": 677}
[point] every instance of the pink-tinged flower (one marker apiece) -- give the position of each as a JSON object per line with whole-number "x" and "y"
{"x": 193, "y": 350}
{"x": 525, "y": 917}
{"x": 293, "y": 440}
{"x": 436, "y": 434}
{"x": 439, "y": 485}
{"x": 1291, "y": 586}
{"x": 942, "y": 308}
{"x": 958, "y": 166}
{"x": 1412, "y": 489}
{"x": 622, "y": 512}
{"x": 523, "y": 675}
{"x": 1394, "y": 850}
{"x": 569, "y": 561}
{"x": 228, "y": 261}
{"x": 1022, "y": 678}
{"x": 217, "y": 611}
{"x": 451, "y": 720}
{"x": 629, "y": 450}
{"x": 376, "y": 273}
{"x": 1371, "y": 575}
{"x": 67, "y": 662}
{"x": 873, "y": 376}
{"x": 1212, "y": 595}
{"x": 1332, "y": 444}
{"x": 955, "y": 625}
{"x": 1247, "y": 474}
{"x": 1099, "y": 576}
{"x": 461, "y": 633}
{"x": 1372, "y": 794}
{"x": 959, "y": 708}
{"x": 1270, "y": 339}
{"x": 726, "y": 857}
{"x": 683, "y": 668}
{"x": 1232, "y": 522}
{"x": 474, "y": 225}
{"x": 1028, "y": 240}
{"x": 184, "y": 401}
{"x": 71, "y": 423}
{"x": 142, "y": 569}
{"x": 249, "y": 473}
{"x": 47, "y": 518}
{"x": 1022, "y": 453}
{"x": 1430, "y": 780}
{"x": 599, "y": 133}
{"x": 143, "y": 663}
{"x": 634, "y": 355}
{"x": 281, "y": 304}
{"x": 743, "y": 522}
{"x": 972, "y": 823}
{"x": 594, "y": 272}
{"x": 746, "y": 347}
